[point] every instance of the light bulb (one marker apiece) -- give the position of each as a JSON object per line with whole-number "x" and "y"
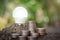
{"x": 20, "y": 15}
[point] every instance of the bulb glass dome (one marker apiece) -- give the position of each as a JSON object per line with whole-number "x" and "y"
{"x": 20, "y": 15}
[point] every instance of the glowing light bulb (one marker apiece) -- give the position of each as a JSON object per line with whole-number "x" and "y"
{"x": 20, "y": 15}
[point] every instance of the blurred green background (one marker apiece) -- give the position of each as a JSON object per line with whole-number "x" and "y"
{"x": 44, "y": 12}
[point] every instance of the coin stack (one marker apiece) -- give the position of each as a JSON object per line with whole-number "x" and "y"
{"x": 25, "y": 32}
{"x": 41, "y": 31}
{"x": 32, "y": 26}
